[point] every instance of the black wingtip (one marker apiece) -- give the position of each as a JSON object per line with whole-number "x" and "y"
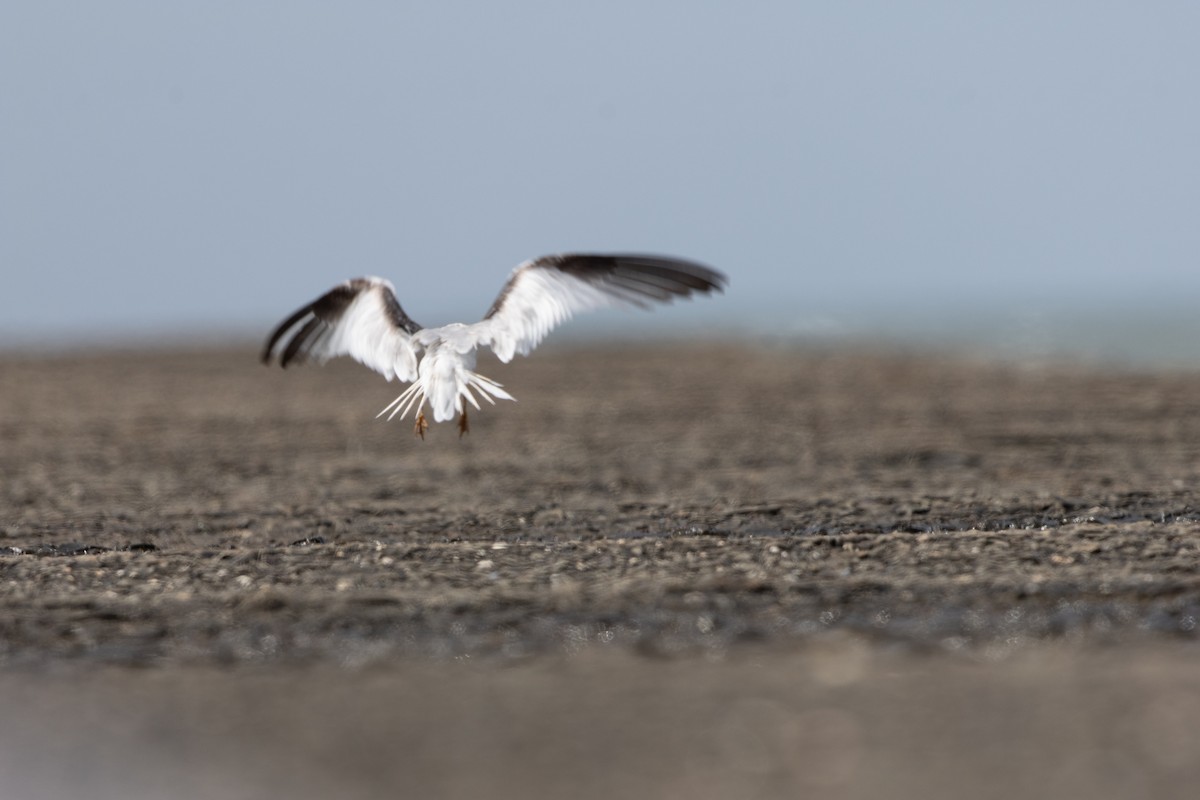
{"x": 280, "y": 330}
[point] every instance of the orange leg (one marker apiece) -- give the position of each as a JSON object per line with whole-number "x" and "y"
{"x": 463, "y": 427}
{"x": 421, "y": 425}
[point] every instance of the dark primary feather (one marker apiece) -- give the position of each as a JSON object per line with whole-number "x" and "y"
{"x": 635, "y": 277}
{"x": 396, "y": 313}
{"x": 323, "y": 313}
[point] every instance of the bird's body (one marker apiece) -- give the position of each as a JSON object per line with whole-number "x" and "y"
{"x": 362, "y": 318}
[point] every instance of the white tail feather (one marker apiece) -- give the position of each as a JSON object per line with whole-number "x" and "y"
{"x": 414, "y": 396}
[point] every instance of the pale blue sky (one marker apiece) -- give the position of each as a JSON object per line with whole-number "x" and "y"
{"x": 198, "y": 167}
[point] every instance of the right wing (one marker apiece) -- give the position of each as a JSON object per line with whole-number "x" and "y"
{"x": 545, "y": 292}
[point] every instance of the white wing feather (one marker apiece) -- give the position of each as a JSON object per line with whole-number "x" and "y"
{"x": 366, "y": 334}
{"x": 538, "y": 301}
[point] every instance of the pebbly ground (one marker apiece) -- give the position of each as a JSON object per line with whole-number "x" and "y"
{"x": 677, "y": 570}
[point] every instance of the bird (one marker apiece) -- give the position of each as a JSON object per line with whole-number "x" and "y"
{"x": 362, "y": 318}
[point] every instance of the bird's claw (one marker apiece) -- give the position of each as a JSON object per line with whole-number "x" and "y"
{"x": 421, "y": 425}
{"x": 463, "y": 427}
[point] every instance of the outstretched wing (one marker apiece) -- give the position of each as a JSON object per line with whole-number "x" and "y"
{"x": 360, "y": 318}
{"x": 547, "y": 291}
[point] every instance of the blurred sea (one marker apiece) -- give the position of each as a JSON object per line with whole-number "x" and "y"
{"x": 1134, "y": 336}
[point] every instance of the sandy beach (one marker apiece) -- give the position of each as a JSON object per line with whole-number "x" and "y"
{"x": 703, "y": 570}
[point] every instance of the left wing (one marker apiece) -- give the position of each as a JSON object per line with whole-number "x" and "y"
{"x": 360, "y": 318}
{"x": 545, "y": 292}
